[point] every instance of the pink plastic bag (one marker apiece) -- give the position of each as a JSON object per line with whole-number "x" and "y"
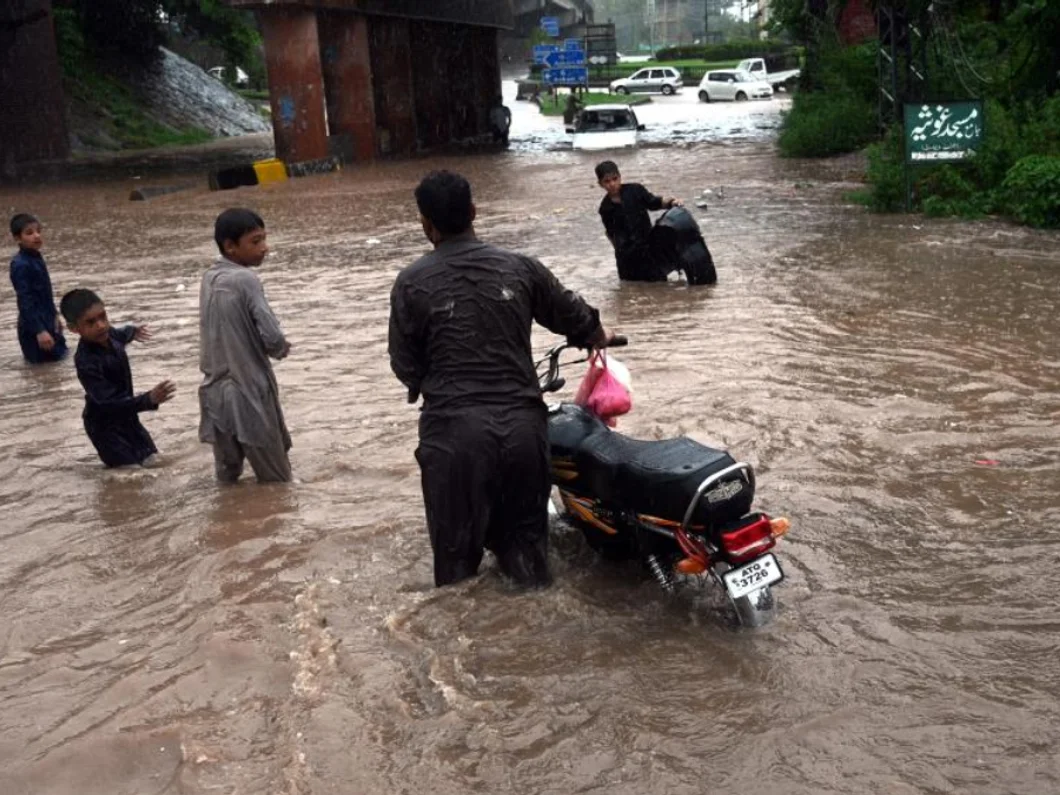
{"x": 602, "y": 393}
{"x": 592, "y": 375}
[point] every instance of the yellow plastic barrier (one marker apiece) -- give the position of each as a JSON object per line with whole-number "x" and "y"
{"x": 270, "y": 171}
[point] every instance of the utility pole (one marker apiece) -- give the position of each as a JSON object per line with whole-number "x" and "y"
{"x": 649, "y": 15}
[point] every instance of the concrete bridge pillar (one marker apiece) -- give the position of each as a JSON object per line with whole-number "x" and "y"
{"x": 33, "y": 123}
{"x": 348, "y": 92}
{"x": 389, "y": 80}
{"x": 395, "y": 105}
{"x": 296, "y": 83}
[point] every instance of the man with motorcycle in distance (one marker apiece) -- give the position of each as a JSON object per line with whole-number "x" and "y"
{"x": 460, "y": 320}
{"x": 624, "y": 211}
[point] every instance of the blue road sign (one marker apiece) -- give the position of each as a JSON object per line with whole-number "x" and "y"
{"x": 565, "y": 58}
{"x": 550, "y": 25}
{"x": 573, "y": 44}
{"x": 567, "y": 76}
{"x": 542, "y": 51}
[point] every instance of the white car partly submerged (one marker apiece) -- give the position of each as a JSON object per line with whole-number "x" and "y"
{"x": 605, "y": 127}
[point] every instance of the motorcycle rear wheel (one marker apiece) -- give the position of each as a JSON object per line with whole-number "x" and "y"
{"x": 755, "y": 609}
{"x": 609, "y": 547}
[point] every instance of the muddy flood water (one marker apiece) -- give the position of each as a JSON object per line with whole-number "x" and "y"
{"x": 893, "y": 379}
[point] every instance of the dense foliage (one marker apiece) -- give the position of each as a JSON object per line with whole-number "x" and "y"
{"x": 731, "y": 50}
{"x": 128, "y": 33}
{"x": 101, "y": 44}
{"x": 1001, "y": 51}
{"x": 1031, "y": 191}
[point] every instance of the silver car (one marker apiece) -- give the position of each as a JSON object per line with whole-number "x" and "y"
{"x": 664, "y": 79}
{"x": 732, "y": 84}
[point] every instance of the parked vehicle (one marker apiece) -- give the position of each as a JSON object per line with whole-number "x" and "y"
{"x": 605, "y": 127}
{"x": 760, "y": 69}
{"x": 527, "y": 89}
{"x": 732, "y": 84}
{"x": 682, "y": 508}
{"x": 665, "y": 79}
{"x": 241, "y": 79}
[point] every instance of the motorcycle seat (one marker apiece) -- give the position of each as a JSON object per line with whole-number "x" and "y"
{"x": 658, "y": 477}
{"x": 650, "y": 459}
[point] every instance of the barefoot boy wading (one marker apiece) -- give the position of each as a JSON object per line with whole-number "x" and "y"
{"x": 239, "y": 398}
{"x": 112, "y": 409}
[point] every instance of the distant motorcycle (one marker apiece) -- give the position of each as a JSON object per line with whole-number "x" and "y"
{"x": 682, "y": 508}
{"x": 676, "y": 240}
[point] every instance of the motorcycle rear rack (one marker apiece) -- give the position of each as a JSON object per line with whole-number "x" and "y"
{"x": 740, "y": 466}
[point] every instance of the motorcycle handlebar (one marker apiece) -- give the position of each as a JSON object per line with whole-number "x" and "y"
{"x": 551, "y": 380}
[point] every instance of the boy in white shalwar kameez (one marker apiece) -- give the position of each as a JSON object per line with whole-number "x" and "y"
{"x": 239, "y": 398}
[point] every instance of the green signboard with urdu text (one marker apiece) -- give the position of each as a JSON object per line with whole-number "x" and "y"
{"x": 942, "y": 132}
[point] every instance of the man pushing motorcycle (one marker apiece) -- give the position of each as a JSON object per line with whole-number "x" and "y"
{"x": 460, "y": 320}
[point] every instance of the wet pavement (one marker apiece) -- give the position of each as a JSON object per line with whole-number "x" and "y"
{"x": 893, "y": 379}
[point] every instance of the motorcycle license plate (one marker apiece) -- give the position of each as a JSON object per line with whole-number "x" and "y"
{"x": 757, "y": 574}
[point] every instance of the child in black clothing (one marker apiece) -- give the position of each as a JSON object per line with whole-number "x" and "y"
{"x": 39, "y": 331}
{"x": 624, "y": 212}
{"x": 111, "y": 409}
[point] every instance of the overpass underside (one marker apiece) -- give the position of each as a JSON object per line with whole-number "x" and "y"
{"x": 570, "y": 13}
{"x": 376, "y": 78}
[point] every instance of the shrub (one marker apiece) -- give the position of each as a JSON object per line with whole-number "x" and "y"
{"x": 1002, "y": 145}
{"x": 732, "y": 50}
{"x": 886, "y": 175}
{"x": 70, "y": 42}
{"x": 1031, "y": 191}
{"x": 1041, "y": 130}
{"x": 823, "y": 124}
{"x": 850, "y": 68}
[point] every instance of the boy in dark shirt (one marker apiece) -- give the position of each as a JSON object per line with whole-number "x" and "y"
{"x": 40, "y": 333}
{"x": 111, "y": 408}
{"x": 624, "y": 211}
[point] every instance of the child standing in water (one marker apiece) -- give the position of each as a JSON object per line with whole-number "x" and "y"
{"x": 112, "y": 409}
{"x": 40, "y": 331}
{"x": 239, "y": 398}
{"x": 624, "y": 211}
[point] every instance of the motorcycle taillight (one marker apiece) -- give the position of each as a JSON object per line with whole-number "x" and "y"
{"x": 748, "y": 541}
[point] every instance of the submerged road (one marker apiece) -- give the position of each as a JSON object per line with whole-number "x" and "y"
{"x": 893, "y": 379}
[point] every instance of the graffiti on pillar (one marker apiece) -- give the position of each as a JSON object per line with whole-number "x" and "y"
{"x": 287, "y": 112}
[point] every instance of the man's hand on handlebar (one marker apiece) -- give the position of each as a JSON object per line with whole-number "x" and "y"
{"x": 607, "y": 339}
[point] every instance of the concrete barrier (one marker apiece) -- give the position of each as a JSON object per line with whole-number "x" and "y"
{"x": 324, "y": 165}
{"x": 143, "y": 194}
{"x": 264, "y": 172}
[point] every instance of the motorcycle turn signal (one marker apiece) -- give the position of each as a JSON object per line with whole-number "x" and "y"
{"x": 690, "y": 566}
{"x": 779, "y": 527}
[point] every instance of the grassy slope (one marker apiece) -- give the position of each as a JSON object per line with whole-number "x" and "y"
{"x": 108, "y": 115}
{"x": 104, "y": 112}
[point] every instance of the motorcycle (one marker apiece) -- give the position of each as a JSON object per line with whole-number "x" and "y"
{"x": 675, "y": 239}
{"x": 682, "y": 508}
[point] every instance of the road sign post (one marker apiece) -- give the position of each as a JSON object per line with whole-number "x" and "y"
{"x": 566, "y": 76}
{"x": 551, "y": 26}
{"x": 542, "y": 51}
{"x": 565, "y": 58}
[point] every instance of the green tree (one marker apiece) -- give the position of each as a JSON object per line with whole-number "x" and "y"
{"x": 231, "y": 30}
{"x": 129, "y": 32}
